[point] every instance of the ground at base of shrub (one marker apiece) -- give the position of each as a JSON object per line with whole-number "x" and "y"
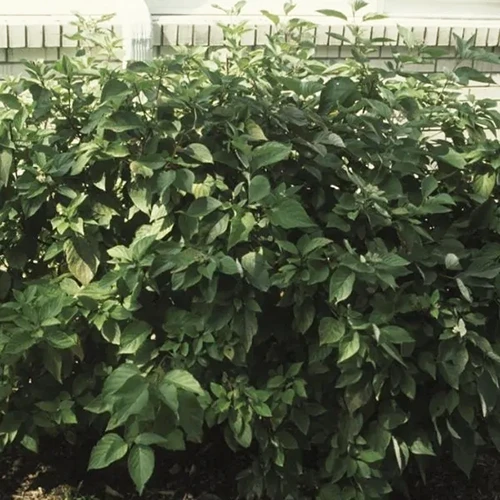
{"x": 207, "y": 475}
{"x": 448, "y": 482}
{"x": 200, "y": 473}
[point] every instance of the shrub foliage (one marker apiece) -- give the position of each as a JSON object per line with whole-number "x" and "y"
{"x": 305, "y": 255}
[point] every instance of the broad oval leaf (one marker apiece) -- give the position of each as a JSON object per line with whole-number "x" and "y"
{"x": 259, "y": 188}
{"x": 341, "y": 285}
{"x": 331, "y": 331}
{"x": 270, "y": 153}
{"x": 82, "y": 258}
{"x": 203, "y": 206}
{"x": 199, "y": 153}
{"x": 110, "y": 448}
{"x": 182, "y": 379}
{"x": 6, "y": 159}
{"x": 290, "y": 214}
{"x": 333, "y": 13}
{"x": 141, "y": 464}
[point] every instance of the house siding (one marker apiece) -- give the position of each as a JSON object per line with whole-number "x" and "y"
{"x": 45, "y": 37}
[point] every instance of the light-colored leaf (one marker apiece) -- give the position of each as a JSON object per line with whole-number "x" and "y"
{"x": 6, "y": 159}
{"x": 330, "y": 331}
{"x": 110, "y": 448}
{"x": 182, "y": 379}
{"x": 141, "y": 463}
{"x": 255, "y": 131}
{"x": 349, "y": 348}
{"x": 484, "y": 184}
{"x": 464, "y": 290}
{"x": 341, "y": 285}
{"x": 451, "y": 261}
{"x": 82, "y": 258}
{"x": 199, "y": 152}
{"x": 333, "y": 13}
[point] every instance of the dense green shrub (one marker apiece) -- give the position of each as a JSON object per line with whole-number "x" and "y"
{"x": 306, "y": 255}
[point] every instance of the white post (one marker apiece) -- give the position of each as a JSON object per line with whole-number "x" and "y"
{"x": 137, "y": 30}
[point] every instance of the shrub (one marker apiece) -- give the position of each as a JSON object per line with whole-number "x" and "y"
{"x": 305, "y": 255}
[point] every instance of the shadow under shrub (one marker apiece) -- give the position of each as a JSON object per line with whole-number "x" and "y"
{"x": 304, "y": 254}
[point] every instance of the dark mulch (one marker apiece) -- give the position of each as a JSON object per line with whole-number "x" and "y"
{"x": 445, "y": 481}
{"x": 57, "y": 473}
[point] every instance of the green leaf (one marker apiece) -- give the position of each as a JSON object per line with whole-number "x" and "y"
{"x": 182, "y": 379}
{"x": 218, "y": 229}
{"x": 450, "y": 156}
{"x": 270, "y": 153}
{"x": 333, "y": 13}
{"x": 6, "y": 159}
{"x": 304, "y": 315}
{"x": 464, "y": 453}
{"x": 395, "y": 335}
{"x": 140, "y": 196}
{"x": 272, "y": 17}
{"x": 132, "y": 399}
{"x": 256, "y": 267}
{"x": 30, "y": 443}
{"x": 149, "y": 438}
{"x": 141, "y": 463}
{"x": 290, "y": 214}
{"x": 464, "y": 290}
{"x": 133, "y": 337}
{"x": 451, "y": 261}
{"x": 241, "y": 227}
{"x": 175, "y": 441}
{"x": 112, "y": 89}
{"x": 340, "y": 91}
{"x": 484, "y": 184}
{"x": 259, "y": 188}
{"x": 61, "y": 340}
{"x": 110, "y": 448}
{"x": 315, "y": 244}
{"x": 117, "y": 379}
{"x": 331, "y": 331}
{"x": 349, "y": 348}
{"x": 199, "y": 152}
{"x": 168, "y": 394}
{"x": 255, "y": 131}
{"x": 465, "y": 74}
{"x": 166, "y": 179}
{"x": 263, "y": 410}
{"x": 191, "y": 416}
{"x": 341, "y": 285}
{"x": 229, "y": 266}
{"x": 184, "y": 180}
{"x": 10, "y": 101}
{"x": 429, "y": 185}
{"x": 422, "y": 446}
{"x": 123, "y": 121}
{"x": 82, "y": 258}
{"x": 203, "y": 206}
